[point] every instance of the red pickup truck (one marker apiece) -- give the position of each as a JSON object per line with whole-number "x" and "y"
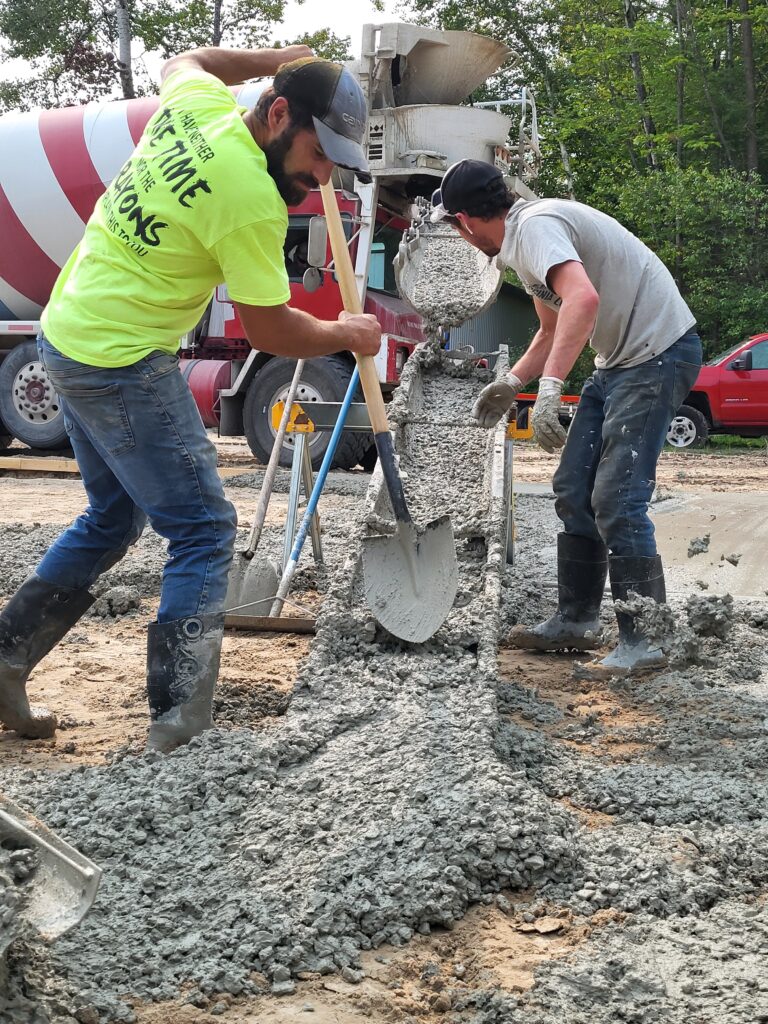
{"x": 730, "y": 396}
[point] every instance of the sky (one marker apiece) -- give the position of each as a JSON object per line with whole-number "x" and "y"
{"x": 343, "y": 17}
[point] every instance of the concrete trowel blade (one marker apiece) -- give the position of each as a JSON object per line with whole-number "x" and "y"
{"x": 253, "y": 583}
{"x": 64, "y": 883}
{"x": 411, "y": 579}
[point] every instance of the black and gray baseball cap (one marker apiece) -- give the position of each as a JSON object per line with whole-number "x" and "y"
{"x": 334, "y": 98}
{"x": 465, "y": 185}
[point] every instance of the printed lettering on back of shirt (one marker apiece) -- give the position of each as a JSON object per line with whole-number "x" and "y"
{"x": 175, "y": 162}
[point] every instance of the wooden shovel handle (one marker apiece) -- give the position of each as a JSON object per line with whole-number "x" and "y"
{"x": 369, "y": 378}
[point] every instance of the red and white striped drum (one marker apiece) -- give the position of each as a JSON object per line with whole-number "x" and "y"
{"x": 54, "y": 165}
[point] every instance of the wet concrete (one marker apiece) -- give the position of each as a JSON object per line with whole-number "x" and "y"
{"x": 401, "y": 786}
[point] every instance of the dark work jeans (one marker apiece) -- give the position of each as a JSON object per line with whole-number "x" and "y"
{"x": 608, "y": 469}
{"x": 143, "y": 454}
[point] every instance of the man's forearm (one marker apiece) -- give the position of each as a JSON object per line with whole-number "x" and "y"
{"x": 531, "y": 363}
{"x": 302, "y": 336}
{"x": 575, "y": 323}
{"x": 232, "y": 66}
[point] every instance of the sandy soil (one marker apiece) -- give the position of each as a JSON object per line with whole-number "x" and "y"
{"x": 740, "y": 469}
{"x": 743, "y": 469}
{"x": 95, "y": 682}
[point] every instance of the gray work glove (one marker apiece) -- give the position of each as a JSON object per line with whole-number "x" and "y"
{"x": 495, "y": 400}
{"x": 545, "y": 418}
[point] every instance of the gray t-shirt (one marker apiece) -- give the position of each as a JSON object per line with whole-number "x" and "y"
{"x": 641, "y": 312}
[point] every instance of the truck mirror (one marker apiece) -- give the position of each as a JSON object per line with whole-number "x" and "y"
{"x": 312, "y": 279}
{"x": 317, "y": 245}
{"x": 742, "y": 362}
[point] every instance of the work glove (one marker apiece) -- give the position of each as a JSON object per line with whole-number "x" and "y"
{"x": 495, "y": 400}
{"x": 545, "y": 418}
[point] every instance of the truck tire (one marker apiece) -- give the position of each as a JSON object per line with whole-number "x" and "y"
{"x": 689, "y": 428}
{"x": 29, "y": 407}
{"x": 323, "y": 380}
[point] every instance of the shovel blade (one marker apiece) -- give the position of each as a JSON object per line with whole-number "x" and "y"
{"x": 253, "y": 583}
{"x": 411, "y": 578}
{"x": 64, "y": 883}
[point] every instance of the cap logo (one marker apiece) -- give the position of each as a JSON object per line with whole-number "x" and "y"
{"x": 354, "y": 122}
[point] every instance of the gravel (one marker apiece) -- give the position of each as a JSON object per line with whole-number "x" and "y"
{"x": 405, "y": 783}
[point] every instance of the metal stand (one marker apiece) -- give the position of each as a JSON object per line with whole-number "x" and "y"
{"x": 301, "y": 475}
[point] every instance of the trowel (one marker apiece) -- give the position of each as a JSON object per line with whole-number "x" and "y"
{"x": 411, "y": 578}
{"x": 62, "y": 885}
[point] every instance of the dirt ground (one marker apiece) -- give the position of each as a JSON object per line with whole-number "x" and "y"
{"x": 709, "y": 469}
{"x": 95, "y": 683}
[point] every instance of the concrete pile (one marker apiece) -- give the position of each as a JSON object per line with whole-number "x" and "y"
{"x": 405, "y": 783}
{"x": 377, "y": 808}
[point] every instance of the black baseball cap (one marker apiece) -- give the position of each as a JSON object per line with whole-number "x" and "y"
{"x": 465, "y": 184}
{"x": 334, "y": 98}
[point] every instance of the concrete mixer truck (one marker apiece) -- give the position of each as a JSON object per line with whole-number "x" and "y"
{"x": 54, "y": 165}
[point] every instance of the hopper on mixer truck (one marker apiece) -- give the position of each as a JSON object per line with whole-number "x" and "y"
{"x": 56, "y": 164}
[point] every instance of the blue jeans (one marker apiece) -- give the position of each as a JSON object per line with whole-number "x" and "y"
{"x": 143, "y": 454}
{"x": 608, "y": 469}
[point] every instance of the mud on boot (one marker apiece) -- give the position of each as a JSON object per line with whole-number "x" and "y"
{"x": 182, "y": 667}
{"x": 635, "y": 653}
{"x": 37, "y": 616}
{"x": 582, "y": 566}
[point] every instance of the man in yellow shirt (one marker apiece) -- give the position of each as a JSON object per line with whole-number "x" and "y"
{"x": 201, "y": 201}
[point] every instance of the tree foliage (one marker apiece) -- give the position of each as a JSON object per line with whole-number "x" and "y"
{"x": 73, "y": 46}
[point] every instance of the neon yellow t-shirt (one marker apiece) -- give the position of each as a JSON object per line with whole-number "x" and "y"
{"x": 193, "y": 207}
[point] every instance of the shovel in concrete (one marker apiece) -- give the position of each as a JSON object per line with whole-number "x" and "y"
{"x": 410, "y": 578}
{"x": 62, "y": 884}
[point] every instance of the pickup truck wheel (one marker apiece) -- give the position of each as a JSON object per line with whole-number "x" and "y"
{"x": 323, "y": 380}
{"x": 29, "y": 407}
{"x": 689, "y": 429}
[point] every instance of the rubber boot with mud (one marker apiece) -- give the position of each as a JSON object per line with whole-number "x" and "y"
{"x": 582, "y": 565}
{"x": 182, "y": 668}
{"x": 31, "y": 624}
{"x": 634, "y": 654}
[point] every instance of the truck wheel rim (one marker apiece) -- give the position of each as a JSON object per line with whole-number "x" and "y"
{"x": 682, "y": 432}
{"x": 33, "y": 394}
{"x": 305, "y": 395}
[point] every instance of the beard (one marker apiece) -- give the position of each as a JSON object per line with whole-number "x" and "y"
{"x": 292, "y": 187}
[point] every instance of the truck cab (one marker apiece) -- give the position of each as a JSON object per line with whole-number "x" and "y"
{"x": 730, "y": 396}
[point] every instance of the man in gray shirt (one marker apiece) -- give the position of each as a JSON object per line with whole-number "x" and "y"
{"x": 591, "y": 281}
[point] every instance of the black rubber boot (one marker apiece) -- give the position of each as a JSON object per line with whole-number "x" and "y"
{"x": 582, "y": 565}
{"x": 633, "y": 653}
{"x": 31, "y": 624}
{"x": 182, "y": 668}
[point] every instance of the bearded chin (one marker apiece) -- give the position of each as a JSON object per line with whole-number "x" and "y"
{"x": 288, "y": 186}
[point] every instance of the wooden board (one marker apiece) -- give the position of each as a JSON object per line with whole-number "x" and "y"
{"x": 270, "y": 624}
{"x": 58, "y": 464}
{"x": 38, "y": 464}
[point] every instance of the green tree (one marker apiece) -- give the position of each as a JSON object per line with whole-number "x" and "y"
{"x": 81, "y": 50}
{"x": 326, "y": 44}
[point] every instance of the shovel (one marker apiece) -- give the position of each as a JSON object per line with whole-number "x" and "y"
{"x": 63, "y": 885}
{"x": 314, "y": 498}
{"x": 410, "y": 578}
{"x": 253, "y": 581}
